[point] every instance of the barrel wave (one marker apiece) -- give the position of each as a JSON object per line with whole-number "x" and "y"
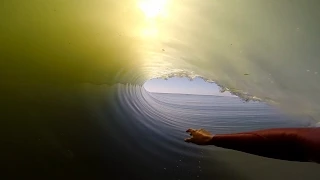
{"x": 72, "y": 74}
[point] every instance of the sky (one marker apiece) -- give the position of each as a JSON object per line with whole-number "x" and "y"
{"x": 183, "y": 86}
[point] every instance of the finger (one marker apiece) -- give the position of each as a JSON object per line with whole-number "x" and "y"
{"x": 188, "y": 140}
{"x": 190, "y": 131}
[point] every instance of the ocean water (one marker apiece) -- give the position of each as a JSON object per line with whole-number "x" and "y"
{"x": 71, "y": 77}
{"x": 127, "y": 132}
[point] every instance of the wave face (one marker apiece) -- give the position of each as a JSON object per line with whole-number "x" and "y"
{"x": 60, "y": 62}
{"x": 257, "y": 50}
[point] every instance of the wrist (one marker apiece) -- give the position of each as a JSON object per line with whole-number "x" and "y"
{"x": 209, "y": 140}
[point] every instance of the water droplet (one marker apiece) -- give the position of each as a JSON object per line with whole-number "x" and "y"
{"x": 165, "y": 168}
{"x": 315, "y": 72}
{"x": 308, "y": 70}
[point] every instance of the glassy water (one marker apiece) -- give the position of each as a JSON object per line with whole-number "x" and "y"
{"x": 127, "y": 132}
{"x": 63, "y": 115}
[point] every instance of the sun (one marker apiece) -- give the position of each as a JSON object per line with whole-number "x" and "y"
{"x": 152, "y": 8}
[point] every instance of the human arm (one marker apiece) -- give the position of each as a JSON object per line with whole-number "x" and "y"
{"x": 293, "y": 144}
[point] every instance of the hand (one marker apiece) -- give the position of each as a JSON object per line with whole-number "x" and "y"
{"x": 200, "y": 137}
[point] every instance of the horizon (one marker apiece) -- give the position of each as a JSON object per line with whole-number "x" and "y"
{"x": 192, "y": 94}
{"x": 183, "y": 85}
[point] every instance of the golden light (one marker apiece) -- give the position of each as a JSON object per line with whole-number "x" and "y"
{"x": 149, "y": 32}
{"x": 152, "y": 8}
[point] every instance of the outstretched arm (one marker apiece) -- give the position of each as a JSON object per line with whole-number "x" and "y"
{"x": 293, "y": 144}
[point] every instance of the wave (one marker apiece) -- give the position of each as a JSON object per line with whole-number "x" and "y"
{"x": 64, "y": 111}
{"x": 252, "y": 49}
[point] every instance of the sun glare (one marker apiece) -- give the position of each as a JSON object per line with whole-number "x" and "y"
{"x": 152, "y": 8}
{"x": 154, "y": 11}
